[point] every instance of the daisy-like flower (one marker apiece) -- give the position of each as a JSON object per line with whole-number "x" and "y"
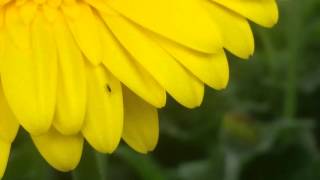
{"x": 97, "y": 70}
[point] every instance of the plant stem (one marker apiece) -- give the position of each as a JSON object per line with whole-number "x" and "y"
{"x": 101, "y": 161}
{"x": 293, "y": 51}
{"x": 92, "y": 166}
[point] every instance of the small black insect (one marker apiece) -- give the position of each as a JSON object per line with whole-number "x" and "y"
{"x": 108, "y": 88}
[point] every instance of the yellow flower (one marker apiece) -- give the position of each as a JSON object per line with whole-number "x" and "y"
{"x": 99, "y": 69}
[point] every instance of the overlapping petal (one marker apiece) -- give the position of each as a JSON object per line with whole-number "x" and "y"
{"x": 4, "y": 155}
{"x": 104, "y": 119}
{"x": 8, "y": 130}
{"x": 141, "y": 124}
{"x": 60, "y": 151}
{"x": 71, "y": 91}
{"x": 178, "y": 82}
{"x": 99, "y": 69}
{"x": 184, "y": 21}
{"x": 262, "y": 12}
{"x": 29, "y": 76}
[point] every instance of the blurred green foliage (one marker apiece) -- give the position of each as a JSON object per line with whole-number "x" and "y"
{"x": 264, "y": 126}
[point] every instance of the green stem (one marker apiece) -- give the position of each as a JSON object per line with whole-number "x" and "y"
{"x": 92, "y": 166}
{"x": 271, "y": 56}
{"x": 291, "y": 90}
{"x": 102, "y": 164}
{"x": 294, "y": 48}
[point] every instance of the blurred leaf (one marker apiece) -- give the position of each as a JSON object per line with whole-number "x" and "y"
{"x": 144, "y": 165}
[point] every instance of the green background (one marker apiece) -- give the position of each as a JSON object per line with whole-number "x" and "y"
{"x": 264, "y": 126}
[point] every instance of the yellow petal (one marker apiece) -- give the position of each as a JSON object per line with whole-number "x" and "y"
{"x": 99, "y": 5}
{"x": 3, "y": 2}
{"x": 29, "y": 78}
{"x": 104, "y": 119}
{"x": 235, "y": 29}
{"x": 2, "y": 47}
{"x": 141, "y": 124}
{"x": 71, "y": 92}
{"x": 179, "y": 83}
{"x": 8, "y": 123}
{"x": 212, "y": 69}
{"x": 183, "y": 21}
{"x": 18, "y": 30}
{"x": 263, "y": 12}
{"x": 55, "y": 3}
{"x": 51, "y": 13}
{"x": 28, "y": 11}
{"x": 61, "y": 152}
{"x": 84, "y": 28}
{"x": 4, "y": 156}
{"x": 2, "y": 11}
{"x": 8, "y": 131}
{"x": 130, "y": 73}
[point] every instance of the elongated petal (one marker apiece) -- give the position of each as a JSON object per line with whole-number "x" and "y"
{"x": 84, "y": 28}
{"x": 8, "y": 131}
{"x": 29, "y": 78}
{"x": 183, "y": 21}
{"x": 2, "y": 17}
{"x": 8, "y": 123}
{"x": 71, "y": 92}
{"x": 104, "y": 118}
{"x": 212, "y": 69}
{"x": 51, "y": 13}
{"x": 28, "y": 11}
{"x": 4, "y": 155}
{"x": 17, "y": 29}
{"x": 3, "y": 2}
{"x": 235, "y": 29}
{"x": 262, "y": 12}
{"x": 2, "y": 11}
{"x": 1, "y": 36}
{"x": 141, "y": 125}
{"x": 2, "y": 39}
{"x": 130, "y": 73}
{"x": 61, "y": 152}
{"x": 179, "y": 83}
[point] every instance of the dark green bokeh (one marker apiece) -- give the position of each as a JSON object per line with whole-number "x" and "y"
{"x": 264, "y": 126}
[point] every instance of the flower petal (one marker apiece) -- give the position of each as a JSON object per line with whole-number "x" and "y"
{"x": 183, "y": 21}
{"x": 8, "y": 123}
{"x": 262, "y": 12}
{"x": 71, "y": 92}
{"x": 1, "y": 37}
{"x": 4, "y": 156}
{"x": 104, "y": 119}
{"x": 141, "y": 124}
{"x": 179, "y": 83}
{"x": 8, "y": 130}
{"x": 30, "y": 76}
{"x": 212, "y": 69}
{"x": 17, "y": 29}
{"x": 85, "y": 31}
{"x": 235, "y": 29}
{"x": 60, "y": 151}
{"x": 130, "y": 73}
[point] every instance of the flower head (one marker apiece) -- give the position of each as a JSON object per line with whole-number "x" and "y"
{"x": 99, "y": 69}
